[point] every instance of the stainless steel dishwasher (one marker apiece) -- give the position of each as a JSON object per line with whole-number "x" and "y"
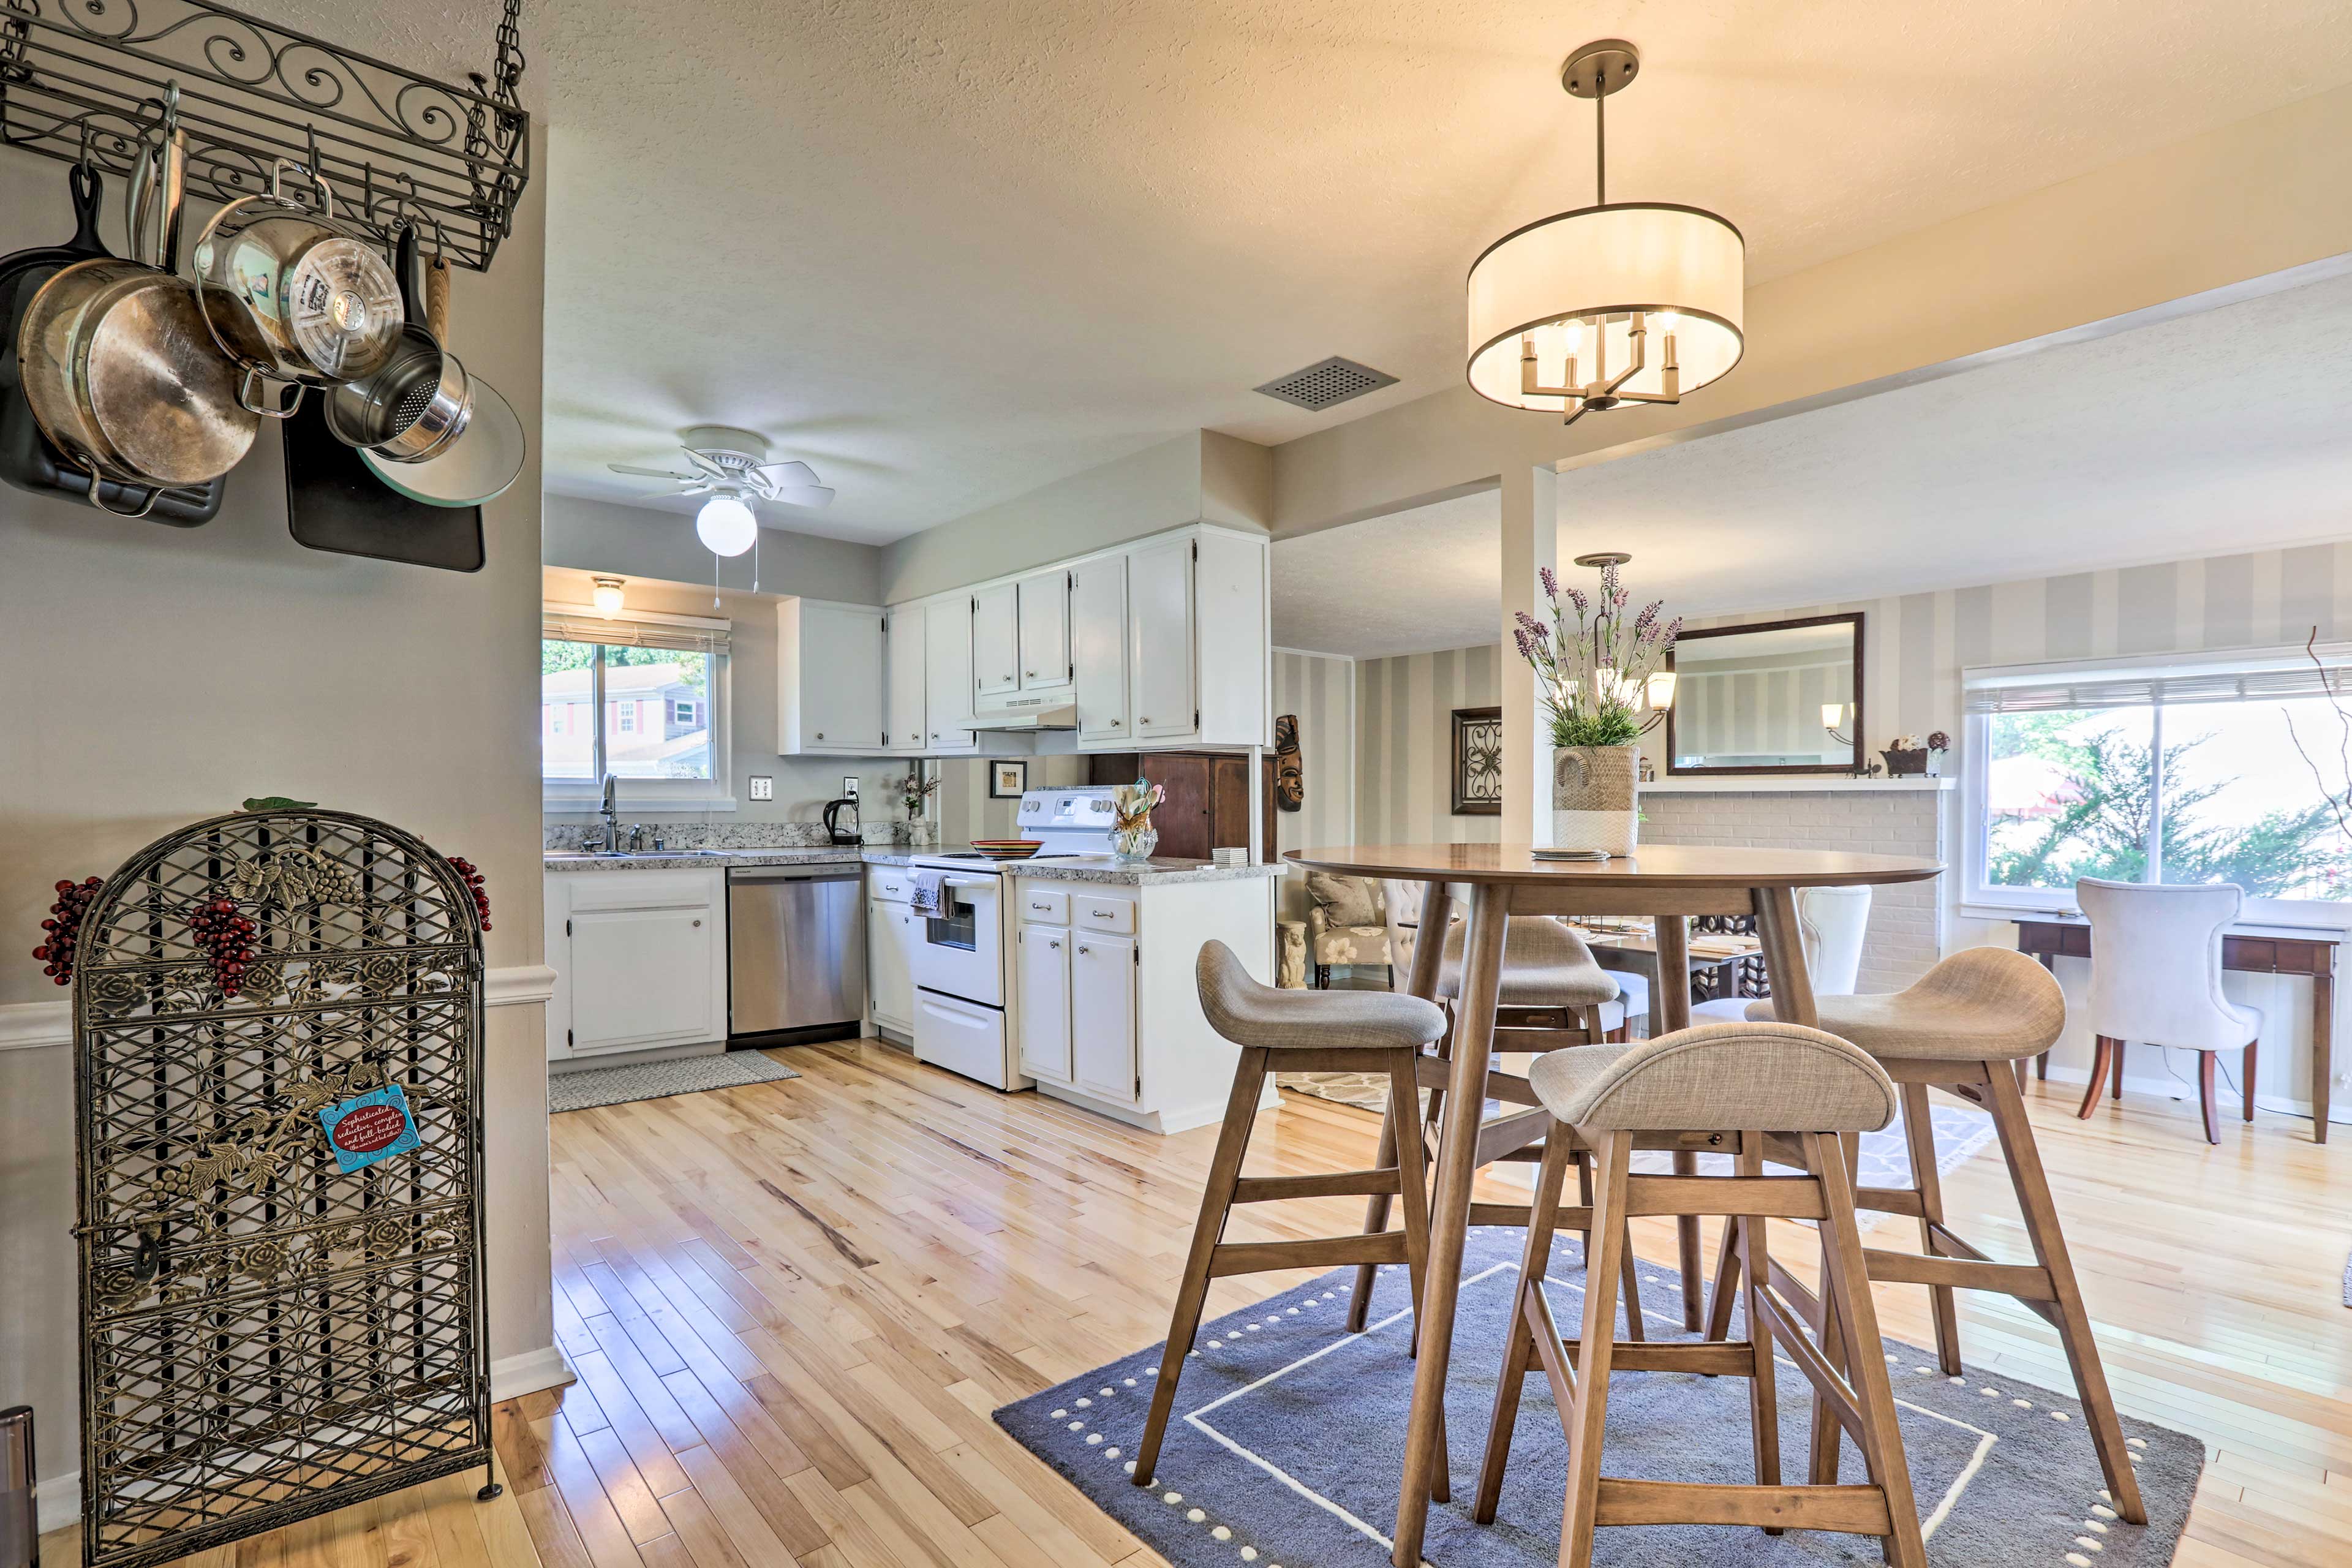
{"x": 796, "y": 954}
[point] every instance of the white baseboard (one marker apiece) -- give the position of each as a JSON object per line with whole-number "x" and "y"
{"x": 2166, "y": 1086}
{"x": 57, "y": 1502}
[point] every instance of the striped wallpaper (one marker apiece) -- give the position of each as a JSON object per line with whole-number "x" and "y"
{"x": 1320, "y": 688}
{"x": 1404, "y": 744}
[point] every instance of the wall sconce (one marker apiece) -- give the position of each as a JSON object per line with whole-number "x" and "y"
{"x": 1833, "y": 715}
{"x": 606, "y": 595}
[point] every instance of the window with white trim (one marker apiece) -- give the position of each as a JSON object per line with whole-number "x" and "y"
{"x": 640, "y": 698}
{"x": 2225, "y": 767}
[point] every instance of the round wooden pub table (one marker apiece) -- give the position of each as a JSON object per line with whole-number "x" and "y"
{"x": 1669, "y": 882}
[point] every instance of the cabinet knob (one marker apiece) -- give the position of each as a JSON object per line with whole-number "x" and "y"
{"x": 1030, "y": 673}
{"x": 820, "y": 734}
{"x": 1116, "y": 723}
{"x": 1082, "y": 948}
{"x": 697, "y": 923}
{"x": 1055, "y": 945}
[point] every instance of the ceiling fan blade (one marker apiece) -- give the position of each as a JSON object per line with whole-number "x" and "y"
{"x": 649, "y": 473}
{"x": 790, "y": 472}
{"x": 715, "y": 471}
{"x": 803, "y": 495}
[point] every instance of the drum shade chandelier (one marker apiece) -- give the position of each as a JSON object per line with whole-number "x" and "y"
{"x": 1612, "y": 304}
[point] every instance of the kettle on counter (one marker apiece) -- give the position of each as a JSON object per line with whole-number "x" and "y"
{"x": 833, "y": 810}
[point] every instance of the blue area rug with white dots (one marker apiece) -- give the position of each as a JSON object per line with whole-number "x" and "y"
{"x": 1288, "y": 1437}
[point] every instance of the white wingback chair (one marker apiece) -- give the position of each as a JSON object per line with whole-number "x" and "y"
{"x": 2156, "y": 976}
{"x": 1830, "y": 923}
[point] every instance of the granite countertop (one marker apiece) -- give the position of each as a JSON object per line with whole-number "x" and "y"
{"x": 704, "y": 860}
{"x": 1160, "y": 873}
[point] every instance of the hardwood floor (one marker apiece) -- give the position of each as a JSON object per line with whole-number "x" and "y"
{"x": 792, "y": 1307}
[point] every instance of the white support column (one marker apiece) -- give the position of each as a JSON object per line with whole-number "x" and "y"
{"x": 1530, "y": 542}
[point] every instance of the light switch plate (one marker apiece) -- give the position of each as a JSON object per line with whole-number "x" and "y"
{"x": 762, "y": 787}
{"x": 848, "y": 786}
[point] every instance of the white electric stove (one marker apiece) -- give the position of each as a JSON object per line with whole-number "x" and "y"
{"x": 963, "y": 976}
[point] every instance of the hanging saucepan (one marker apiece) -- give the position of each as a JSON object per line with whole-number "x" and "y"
{"x": 118, "y": 369}
{"x": 293, "y": 295}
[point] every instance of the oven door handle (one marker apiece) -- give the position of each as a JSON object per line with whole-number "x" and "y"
{"x": 972, "y": 882}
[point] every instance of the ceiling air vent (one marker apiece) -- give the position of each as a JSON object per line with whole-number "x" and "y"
{"x": 1329, "y": 382}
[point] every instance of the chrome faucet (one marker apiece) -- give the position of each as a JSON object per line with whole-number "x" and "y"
{"x": 610, "y": 813}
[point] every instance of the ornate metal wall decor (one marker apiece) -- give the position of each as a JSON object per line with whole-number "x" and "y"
{"x": 279, "y": 1181}
{"x": 84, "y": 79}
{"x": 1477, "y": 761}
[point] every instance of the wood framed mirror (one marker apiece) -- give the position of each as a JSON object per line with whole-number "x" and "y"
{"x": 1758, "y": 699}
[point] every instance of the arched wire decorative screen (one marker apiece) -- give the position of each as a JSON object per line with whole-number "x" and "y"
{"x": 280, "y": 1181}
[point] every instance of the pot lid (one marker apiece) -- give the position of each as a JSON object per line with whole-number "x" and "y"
{"x": 343, "y": 307}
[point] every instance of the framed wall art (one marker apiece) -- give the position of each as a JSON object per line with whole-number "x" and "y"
{"x": 1478, "y": 761}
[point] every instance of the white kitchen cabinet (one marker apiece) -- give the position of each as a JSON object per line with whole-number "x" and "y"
{"x": 1160, "y": 641}
{"x": 1102, "y": 1016}
{"x": 1099, "y": 648}
{"x": 996, "y": 641}
{"x": 1045, "y": 662}
{"x": 1045, "y": 985}
{"x": 902, "y": 714}
{"x": 640, "y": 958}
{"x": 946, "y": 677}
{"x": 829, "y": 692}
{"x": 892, "y": 933}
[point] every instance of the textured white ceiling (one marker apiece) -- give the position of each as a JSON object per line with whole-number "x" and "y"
{"x": 948, "y": 252}
{"x": 2209, "y": 433}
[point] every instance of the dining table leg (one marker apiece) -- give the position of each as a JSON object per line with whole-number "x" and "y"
{"x": 1670, "y": 1006}
{"x": 1474, "y": 1050}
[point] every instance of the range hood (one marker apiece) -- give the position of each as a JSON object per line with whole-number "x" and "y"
{"x": 1030, "y": 713}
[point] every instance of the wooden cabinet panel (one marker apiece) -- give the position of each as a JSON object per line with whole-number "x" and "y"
{"x": 1102, "y": 1016}
{"x": 1208, "y": 797}
{"x": 1045, "y": 980}
{"x": 996, "y": 641}
{"x": 1099, "y": 645}
{"x": 1046, "y": 631}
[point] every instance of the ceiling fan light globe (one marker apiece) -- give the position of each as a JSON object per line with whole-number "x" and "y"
{"x": 726, "y": 526}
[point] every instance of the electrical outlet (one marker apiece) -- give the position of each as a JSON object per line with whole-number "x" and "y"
{"x": 848, "y": 786}
{"x": 762, "y": 787}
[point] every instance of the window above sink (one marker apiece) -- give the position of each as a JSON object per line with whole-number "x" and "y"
{"x": 642, "y": 697}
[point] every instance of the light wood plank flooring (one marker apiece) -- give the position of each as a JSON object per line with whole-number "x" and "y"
{"x": 792, "y": 1307}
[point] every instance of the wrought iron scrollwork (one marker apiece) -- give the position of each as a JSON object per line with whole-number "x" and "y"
{"x": 75, "y": 77}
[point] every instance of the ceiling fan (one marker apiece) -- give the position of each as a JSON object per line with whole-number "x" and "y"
{"x": 731, "y": 466}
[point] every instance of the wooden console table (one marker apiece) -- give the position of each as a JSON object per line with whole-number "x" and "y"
{"x": 2312, "y": 956}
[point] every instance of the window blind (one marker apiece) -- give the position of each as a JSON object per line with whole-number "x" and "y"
{"x": 587, "y": 625}
{"x": 2280, "y": 677}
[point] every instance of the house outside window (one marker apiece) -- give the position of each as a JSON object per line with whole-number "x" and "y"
{"x": 642, "y": 699}
{"x": 2184, "y": 768}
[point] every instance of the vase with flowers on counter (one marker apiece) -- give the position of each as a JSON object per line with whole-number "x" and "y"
{"x": 1604, "y": 684}
{"x": 1132, "y": 836}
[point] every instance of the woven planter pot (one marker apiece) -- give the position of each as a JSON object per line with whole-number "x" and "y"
{"x": 1594, "y": 806}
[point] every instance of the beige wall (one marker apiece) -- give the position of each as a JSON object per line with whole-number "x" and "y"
{"x": 159, "y": 674}
{"x": 637, "y": 542}
{"x": 1404, "y": 744}
{"x": 1200, "y": 476}
{"x": 1319, "y": 690}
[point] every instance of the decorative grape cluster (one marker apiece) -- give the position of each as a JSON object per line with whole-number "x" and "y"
{"x": 64, "y": 926}
{"x": 226, "y": 938}
{"x": 473, "y": 884}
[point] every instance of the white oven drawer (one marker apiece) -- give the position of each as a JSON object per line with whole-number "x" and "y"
{"x": 1103, "y": 914}
{"x": 963, "y": 1038}
{"x": 1041, "y": 908}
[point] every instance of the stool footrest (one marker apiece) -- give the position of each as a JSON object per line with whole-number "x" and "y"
{"x": 1858, "y": 1510}
{"x": 1322, "y": 1252}
{"x": 1776, "y": 1197}
{"x": 1712, "y": 1358}
{"x": 2025, "y": 1282}
{"x": 1331, "y": 1184}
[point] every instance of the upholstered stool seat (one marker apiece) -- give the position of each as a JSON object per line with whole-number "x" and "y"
{"x": 1249, "y": 1013}
{"x": 1806, "y": 1089}
{"x": 1981, "y": 1005}
{"x": 1545, "y": 964}
{"x": 1967, "y": 1026}
{"x": 1779, "y": 1076}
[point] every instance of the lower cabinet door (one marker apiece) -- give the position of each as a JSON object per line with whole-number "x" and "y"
{"x": 1046, "y": 1001}
{"x": 889, "y": 984}
{"x": 642, "y": 978}
{"x": 1102, "y": 1016}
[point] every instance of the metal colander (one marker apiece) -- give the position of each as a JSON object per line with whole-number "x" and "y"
{"x": 409, "y": 410}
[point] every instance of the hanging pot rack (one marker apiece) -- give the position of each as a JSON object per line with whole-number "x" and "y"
{"x": 83, "y": 80}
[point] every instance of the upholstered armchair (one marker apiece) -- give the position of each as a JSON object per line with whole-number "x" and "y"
{"x": 1345, "y": 923}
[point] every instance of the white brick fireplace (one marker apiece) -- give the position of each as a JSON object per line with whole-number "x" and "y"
{"x": 1873, "y": 817}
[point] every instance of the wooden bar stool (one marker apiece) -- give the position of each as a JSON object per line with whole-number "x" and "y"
{"x": 1811, "y": 1089}
{"x": 1294, "y": 1031}
{"x": 1552, "y": 996}
{"x": 1966, "y": 1027}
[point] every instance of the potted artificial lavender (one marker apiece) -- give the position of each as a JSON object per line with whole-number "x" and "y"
{"x": 1604, "y": 689}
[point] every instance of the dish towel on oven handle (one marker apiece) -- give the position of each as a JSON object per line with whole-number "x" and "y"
{"x": 930, "y": 894}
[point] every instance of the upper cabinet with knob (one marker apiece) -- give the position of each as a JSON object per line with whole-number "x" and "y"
{"x": 1044, "y": 638}
{"x": 829, "y": 679}
{"x": 995, "y": 642}
{"x": 948, "y": 706}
